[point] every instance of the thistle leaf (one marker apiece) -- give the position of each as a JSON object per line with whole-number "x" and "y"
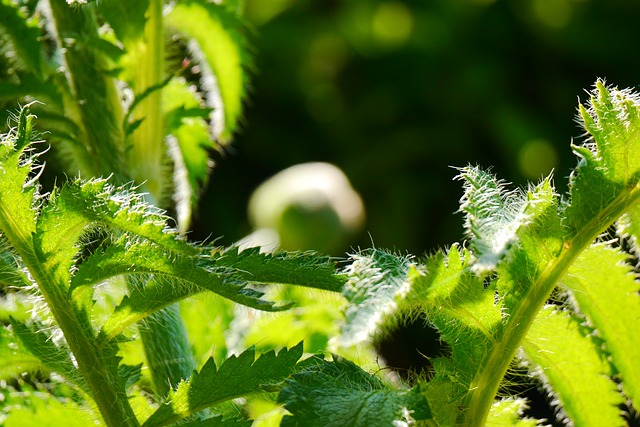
{"x": 287, "y": 268}
{"x": 229, "y": 274}
{"x": 126, "y": 18}
{"x": 453, "y": 299}
{"x": 52, "y": 357}
{"x": 189, "y": 145}
{"x": 609, "y": 167}
{"x": 17, "y": 190}
{"x": 604, "y": 288}
{"x": 377, "y": 280}
{"x": 572, "y": 369}
{"x": 217, "y": 33}
{"x": 508, "y": 413}
{"x": 495, "y": 216}
{"x": 11, "y": 273}
{"x": 96, "y": 97}
{"x": 339, "y": 393}
{"x": 46, "y": 410}
{"x": 15, "y": 359}
{"x": 24, "y": 35}
{"x": 237, "y": 377}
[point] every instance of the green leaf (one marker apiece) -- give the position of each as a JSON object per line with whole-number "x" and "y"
{"x": 495, "y": 216}
{"x": 508, "y": 413}
{"x": 288, "y": 268}
{"x": 218, "y": 422}
{"x": 609, "y": 167}
{"x": 17, "y": 191}
{"x": 237, "y": 377}
{"x": 94, "y": 97}
{"x": 572, "y": 369}
{"x": 121, "y": 209}
{"x": 224, "y": 59}
{"x": 11, "y": 273}
{"x": 54, "y": 358}
{"x": 127, "y": 19}
{"x": 454, "y": 300}
{"x": 15, "y": 359}
{"x": 605, "y": 289}
{"x": 339, "y": 393}
{"x": 189, "y": 144}
{"x": 376, "y": 281}
{"x": 24, "y": 35}
{"x": 45, "y": 410}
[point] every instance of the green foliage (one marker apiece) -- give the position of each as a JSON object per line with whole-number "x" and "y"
{"x": 90, "y": 232}
{"x": 237, "y": 377}
{"x": 339, "y": 393}
{"x": 488, "y": 298}
{"x": 488, "y": 301}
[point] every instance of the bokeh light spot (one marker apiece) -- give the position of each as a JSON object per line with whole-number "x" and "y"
{"x": 552, "y": 13}
{"x": 537, "y": 158}
{"x": 392, "y": 24}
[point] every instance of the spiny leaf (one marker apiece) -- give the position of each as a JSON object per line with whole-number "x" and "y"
{"x": 97, "y": 98}
{"x": 126, "y": 18}
{"x": 189, "y": 144}
{"x": 122, "y": 209}
{"x": 24, "y": 35}
{"x": 572, "y": 369}
{"x": 237, "y": 377}
{"x": 605, "y": 289}
{"x": 469, "y": 320}
{"x": 608, "y": 166}
{"x": 46, "y": 410}
{"x": 376, "y": 281}
{"x": 15, "y": 359}
{"x": 289, "y": 268}
{"x": 339, "y": 393}
{"x": 11, "y": 273}
{"x": 628, "y": 227}
{"x": 17, "y": 191}
{"x": 217, "y": 32}
{"x": 508, "y": 413}
{"x": 495, "y": 216}
{"x": 54, "y": 358}
{"x": 218, "y": 422}
{"x": 228, "y": 274}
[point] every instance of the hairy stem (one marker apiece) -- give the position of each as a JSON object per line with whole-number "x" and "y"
{"x": 163, "y": 334}
{"x": 486, "y": 383}
{"x": 106, "y": 388}
{"x": 166, "y": 348}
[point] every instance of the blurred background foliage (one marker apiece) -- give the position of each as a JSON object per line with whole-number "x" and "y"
{"x": 397, "y": 93}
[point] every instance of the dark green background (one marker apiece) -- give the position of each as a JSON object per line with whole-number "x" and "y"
{"x": 474, "y": 83}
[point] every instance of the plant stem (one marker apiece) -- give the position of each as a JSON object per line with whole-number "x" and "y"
{"x": 106, "y": 388}
{"x": 486, "y": 383}
{"x": 147, "y": 155}
{"x": 163, "y": 334}
{"x": 167, "y": 351}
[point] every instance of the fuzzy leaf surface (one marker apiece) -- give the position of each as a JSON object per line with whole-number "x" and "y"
{"x": 54, "y": 358}
{"x": 339, "y": 393}
{"x": 609, "y": 167}
{"x": 288, "y": 268}
{"x": 217, "y": 32}
{"x": 571, "y": 368}
{"x": 508, "y": 413}
{"x": 238, "y": 376}
{"x": 24, "y": 35}
{"x": 376, "y": 281}
{"x": 605, "y": 288}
